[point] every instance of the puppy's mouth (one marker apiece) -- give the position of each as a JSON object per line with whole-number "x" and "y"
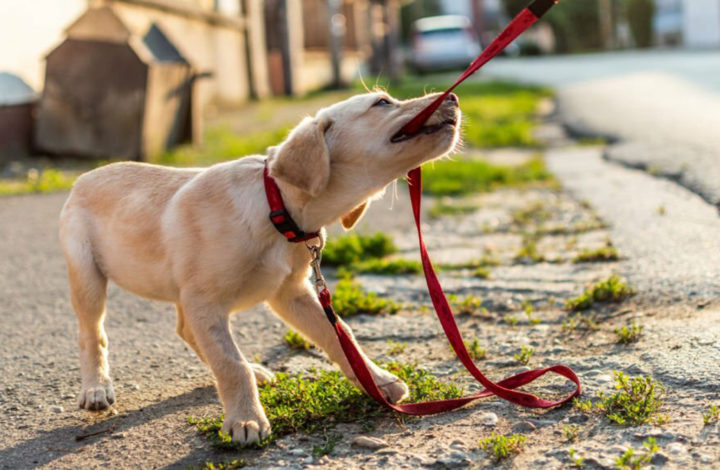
{"x": 424, "y": 130}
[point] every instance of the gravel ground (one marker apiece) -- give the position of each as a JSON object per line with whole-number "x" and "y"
{"x": 160, "y": 383}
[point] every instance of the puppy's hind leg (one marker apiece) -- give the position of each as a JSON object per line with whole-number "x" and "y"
{"x": 298, "y": 305}
{"x": 88, "y": 293}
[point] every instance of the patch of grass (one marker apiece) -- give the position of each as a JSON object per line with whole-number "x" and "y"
{"x": 468, "y": 305}
{"x": 605, "y": 253}
{"x": 570, "y": 432}
{"x": 537, "y": 212}
{"x": 613, "y": 289}
{"x": 632, "y": 461}
{"x": 350, "y": 298}
{"x": 222, "y": 144}
{"x": 661, "y": 210}
{"x": 48, "y": 180}
{"x": 329, "y": 445}
{"x": 575, "y": 460}
{"x": 396, "y": 348}
{"x": 353, "y": 248}
{"x": 528, "y": 252}
{"x": 474, "y": 349}
{"x": 481, "y": 273}
{"x": 525, "y": 354}
{"x": 585, "y": 322}
{"x": 629, "y": 334}
{"x": 423, "y": 385}
{"x": 484, "y": 262}
{"x": 296, "y": 341}
{"x": 231, "y": 465}
{"x": 387, "y": 266}
{"x": 532, "y": 319}
{"x": 501, "y": 447}
{"x": 448, "y": 206}
{"x": 512, "y": 320}
{"x": 637, "y": 401}
{"x": 469, "y": 176}
{"x": 316, "y": 401}
{"x": 499, "y": 113}
{"x": 712, "y": 415}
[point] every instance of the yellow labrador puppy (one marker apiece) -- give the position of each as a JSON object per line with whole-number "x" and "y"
{"x": 202, "y": 239}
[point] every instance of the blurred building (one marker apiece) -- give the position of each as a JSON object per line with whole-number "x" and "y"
{"x": 690, "y": 23}
{"x": 232, "y": 50}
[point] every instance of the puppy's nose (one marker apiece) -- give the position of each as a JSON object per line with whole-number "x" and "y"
{"x": 452, "y": 97}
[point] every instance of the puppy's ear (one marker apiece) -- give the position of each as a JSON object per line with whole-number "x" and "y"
{"x": 350, "y": 219}
{"x": 302, "y": 160}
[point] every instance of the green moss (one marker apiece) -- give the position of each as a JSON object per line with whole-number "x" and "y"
{"x": 525, "y": 354}
{"x": 605, "y": 253}
{"x": 632, "y": 460}
{"x": 637, "y": 401}
{"x": 613, "y": 289}
{"x": 222, "y": 144}
{"x": 629, "y": 334}
{"x": 350, "y": 298}
{"x": 387, "y": 266}
{"x": 296, "y": 341}
{"x": 231, "y": 465}
{"x": 469, "y": 176}
{"x": 48, "y": 180}
{"x": 353, "y": 248}
{"x": 501, "y": 447}
{"x": 712, "y": 415}
{"x": 318, "y": 400}
{"x": 449, "y": 206}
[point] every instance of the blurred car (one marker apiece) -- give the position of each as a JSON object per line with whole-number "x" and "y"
{"x": 443, "y": 42}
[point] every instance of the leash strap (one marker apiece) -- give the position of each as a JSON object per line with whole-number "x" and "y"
{"x": 505, "y": 388}
{"x": 526, "y": 18}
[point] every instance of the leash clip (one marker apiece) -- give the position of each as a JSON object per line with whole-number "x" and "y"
{"x": 316, "y": 254}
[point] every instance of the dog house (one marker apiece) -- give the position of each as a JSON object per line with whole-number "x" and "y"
{"x": 111, "y": 93}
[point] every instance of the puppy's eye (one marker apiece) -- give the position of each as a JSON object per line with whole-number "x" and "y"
{"x": 381, "y": 102}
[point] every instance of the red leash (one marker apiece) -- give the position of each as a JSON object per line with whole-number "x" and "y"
{"x": 505, "y": 388}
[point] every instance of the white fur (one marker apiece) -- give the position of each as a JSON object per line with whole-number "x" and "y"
{"x": 201, "y": 238}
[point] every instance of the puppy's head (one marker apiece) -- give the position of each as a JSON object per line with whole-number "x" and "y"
{"x": 351, "y": 150}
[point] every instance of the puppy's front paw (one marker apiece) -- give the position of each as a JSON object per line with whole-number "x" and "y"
{"x": 97, "y": 397}
{"x": 247, "y": 431}
{"x": 395, "y": 390}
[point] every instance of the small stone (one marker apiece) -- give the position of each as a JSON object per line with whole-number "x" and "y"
{"x": 308, "y": 460}
{"x": 676, "y": 448}
{"x": 368, "y": 442}
{"x": 57, "y": 409}
{"x": 488, "y": 419}
{"x": 457, "y": 444}
{"x": 524, "y": 427}
{"x": 454, "y": 459}
{"x": 706, "y": 458}
{"x": 603, "y": 379}
{"x": 297, "y": 452}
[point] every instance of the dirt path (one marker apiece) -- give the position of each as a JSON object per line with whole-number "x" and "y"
{"x": 160, "y": 383}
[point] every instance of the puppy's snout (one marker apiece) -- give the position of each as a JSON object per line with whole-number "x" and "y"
{"x": 453, "y": 98}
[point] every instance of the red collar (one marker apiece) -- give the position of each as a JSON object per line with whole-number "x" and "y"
{"x": 279, "y": 216}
